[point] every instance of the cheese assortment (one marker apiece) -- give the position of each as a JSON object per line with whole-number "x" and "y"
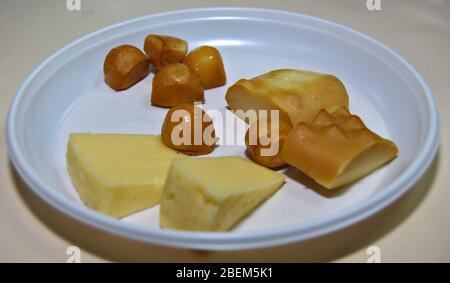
{"x": 120, "y": 174}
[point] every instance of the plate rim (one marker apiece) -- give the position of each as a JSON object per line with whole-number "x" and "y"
{"x": 241, "y": 239}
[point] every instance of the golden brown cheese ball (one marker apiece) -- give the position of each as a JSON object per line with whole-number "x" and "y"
{"x": 124, "y": 66}
{"x": 176, "y": 84}
{"x": 206, "y": 60}
{"x": 163, "y": 50}
{"x": 187, "y": 128}
{"x": 264, "y": 138}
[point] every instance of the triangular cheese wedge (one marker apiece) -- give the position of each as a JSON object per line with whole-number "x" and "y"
{"x": 213, "y": 194}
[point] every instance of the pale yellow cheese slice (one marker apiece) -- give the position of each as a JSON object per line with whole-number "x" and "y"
{"x": 118, "y": 174}
{"x": 213, "y": 194}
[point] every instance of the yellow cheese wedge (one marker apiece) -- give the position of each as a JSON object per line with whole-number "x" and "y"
{"x": 298, "y": 95}
{"x": 213, "y": 194}
{"x": 336, "y": 148}
{"x": 118, "y": 174}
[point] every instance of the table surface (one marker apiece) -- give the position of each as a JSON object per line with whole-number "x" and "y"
{"x": 415, "y": 228}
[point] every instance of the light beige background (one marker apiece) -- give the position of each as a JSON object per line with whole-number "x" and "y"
{"x": 415, "y": 228}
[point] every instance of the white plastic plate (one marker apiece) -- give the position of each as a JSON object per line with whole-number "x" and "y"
{"x": 66, "y": 93}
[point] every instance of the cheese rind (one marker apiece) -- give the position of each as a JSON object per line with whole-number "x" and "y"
{"x": 118, "y": 174}
{"x": 213, "y": 194}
